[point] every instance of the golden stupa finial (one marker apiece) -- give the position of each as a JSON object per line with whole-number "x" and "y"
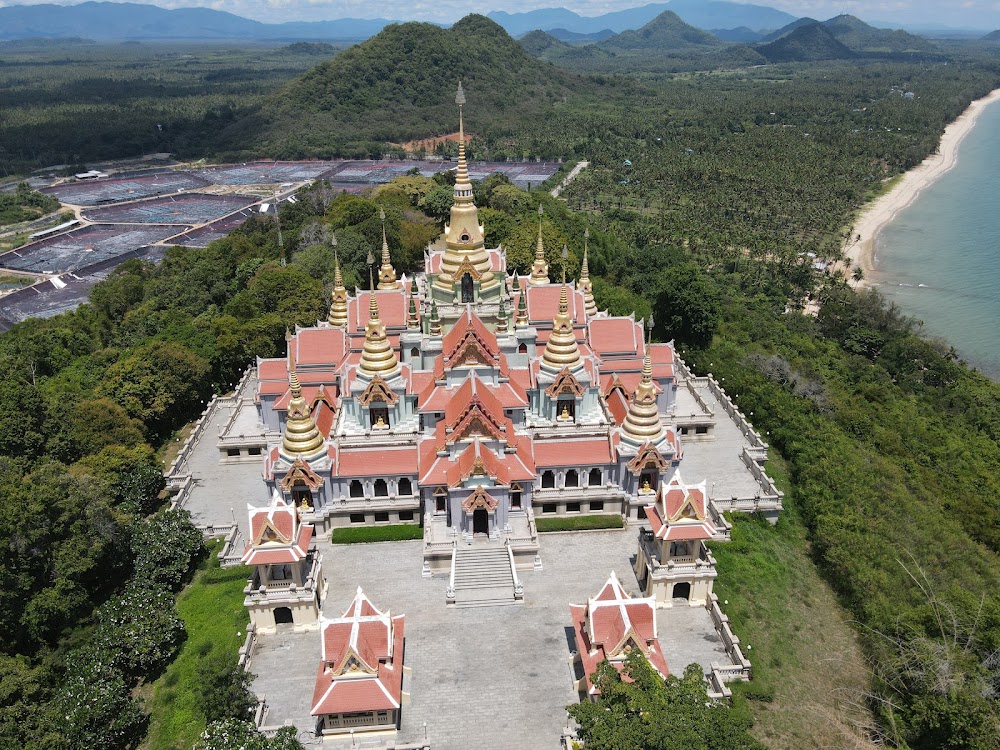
{"x": 586, "y": 285}
{"x": 301, "y": 436}
{"x": 502, "y": 314}
{"x": 561, "y": 350}
{"x": 378, "y": 357}
{"x": 642, "y": 422}
{"x": 386, "y": 273}
{"x": 462, "y": 170}
{"x": 521, "y": 320}
{"x": 539, "y": 269}
{"x": 338, "y": 297}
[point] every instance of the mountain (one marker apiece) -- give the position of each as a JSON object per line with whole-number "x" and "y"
{"x": 105, "y": 20}
{"x": 572, "y": 37}
{"x": 666, "y": 32}
{"x": 743, "y": 35}
{"x": 537, "y": 43}
{"x": 704, "y": 14}
{"x": 860, "y": 37}
{"x": 787, "y": 29}
{"x": 993, "y": 36}
{"x": 806, "y": 44}
{"x": 399, "y": 85}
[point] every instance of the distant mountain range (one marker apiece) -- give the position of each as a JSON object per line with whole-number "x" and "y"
{"x": 704, "y": 14}
{"x": 103, "y": 21}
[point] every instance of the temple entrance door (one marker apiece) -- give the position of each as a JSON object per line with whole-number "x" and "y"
{"x": 467, "y": 291}
{"x": 481, "y": 521}
{"x": 682, "y": 591}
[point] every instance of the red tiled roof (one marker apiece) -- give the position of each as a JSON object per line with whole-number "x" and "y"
{"x": 572, "y": 452}
{"x": 376, "y": 461}
{"x": 678, "y": 532}
{"x": 506, "y": 468}
{"x": 615, "y": 336}
{"x": 272, "y": 369}
{"x": 543, "y": 304}
{"x": 276, "y": 555}
{"x": 319, "y": 346}
{"x": 392, "y": 309}
{"x": 617, "y": 405}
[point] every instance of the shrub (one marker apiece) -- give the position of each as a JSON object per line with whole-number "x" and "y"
{"x": 139, "y": 631}
{"x": 224, "y": 690}
{"x": 165, "y": 547}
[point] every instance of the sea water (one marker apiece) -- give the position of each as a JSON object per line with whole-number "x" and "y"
{"x": 939, "y": 259}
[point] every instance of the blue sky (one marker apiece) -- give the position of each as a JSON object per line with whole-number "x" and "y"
{"x": 983, "y": 14}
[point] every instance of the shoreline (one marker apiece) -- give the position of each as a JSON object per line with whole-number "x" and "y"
{"x": 875, "y": 215}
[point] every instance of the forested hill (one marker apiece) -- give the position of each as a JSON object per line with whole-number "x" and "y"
{"x": 401, "y": 85}
{"x": 665, "y": 32}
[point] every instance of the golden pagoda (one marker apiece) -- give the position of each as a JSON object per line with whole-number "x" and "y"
{"x": 378, "y": 357}
{"x": 412, "y": 317}
{"x": 585, "y": 285}
{"x": 521, "y": 319}
{"x": 386, "y": 273}
{"x": 301, "y": 435}
{"x": 561, "y": 350}
{"x": 539, "y": 269}
{"x": 464, "y": 235}
{"x": 338, "y": 297}
{"x": 642, "y": 423}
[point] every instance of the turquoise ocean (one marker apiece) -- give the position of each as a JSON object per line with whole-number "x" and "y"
{"x": 939, "y": 259}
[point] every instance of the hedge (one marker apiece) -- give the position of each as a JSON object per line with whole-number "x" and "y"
{"x": 364, "y": 534}
{"x": 578, "y": 523}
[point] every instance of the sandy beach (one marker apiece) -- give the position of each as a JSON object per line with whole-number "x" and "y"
{"x": 860, "y": 248}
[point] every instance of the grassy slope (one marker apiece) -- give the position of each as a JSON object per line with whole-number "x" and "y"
{"x": 216, "y": 621}
{"x": 808, "y": 670}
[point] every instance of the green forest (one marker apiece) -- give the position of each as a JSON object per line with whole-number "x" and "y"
{"x": 705, "y": 194}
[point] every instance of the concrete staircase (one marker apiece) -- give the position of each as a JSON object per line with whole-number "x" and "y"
{"x": 483, "y": 577}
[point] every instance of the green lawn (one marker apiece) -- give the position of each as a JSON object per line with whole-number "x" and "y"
{"x": 363, "y": 534}
{"x": 808, "y": 670}
{"x": 216, "y": 622}
{"x": 579, "y": 523}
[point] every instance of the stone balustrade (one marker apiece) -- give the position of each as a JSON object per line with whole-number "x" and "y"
{"x": 741, "y": 668}
{"x": 246, "y": 650}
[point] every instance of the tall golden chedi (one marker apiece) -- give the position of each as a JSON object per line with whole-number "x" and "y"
{"x": 338, "y": 297}
{"x": 466, "y": 273}
{"x": 642, "y": 423}
{"x": 378, "y": 357}
{"x": 301, "y": 436}
{"x": 562, "y": 350}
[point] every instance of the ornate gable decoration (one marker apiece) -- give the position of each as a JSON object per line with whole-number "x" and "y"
{"x": 480, "y": 498}
{"x": 647, "y": 457}
{"x": 300, "y": 471}
{"x": 616, "y": 383}
{"x": 378, "y": 390}
{"x": 477, "y": 422}
{"x": 629, "y": 642}
{"x": 466, "y": 267}
{"x": 565, "y": 383}
{"x": 688, "y": 510}
{"x": 353, "y": 663}
{"x": 269, "y": 533}
{"x": 478, "y": 469}
{"x": 471, "y": 351}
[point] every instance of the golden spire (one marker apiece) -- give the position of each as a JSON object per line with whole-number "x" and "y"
{"x": 338, "y": 297}
{"x": 643, "y": 419}
{"x": 386, "y": 273}
{"x": 521, "y": 321}
{"x": 539, "y": 269}
{"x": 585, "y": 285}
{"x": 464, "y": 235}
{"x": 561, "y": 350}
{"x": 412, "y": 318}
{"x": 301, "y": 434}
{"x": 378, "y": 357}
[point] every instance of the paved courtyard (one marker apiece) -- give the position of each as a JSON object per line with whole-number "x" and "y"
{"x": 494, "y": 677}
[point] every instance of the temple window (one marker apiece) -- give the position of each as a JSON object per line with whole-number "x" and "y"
{"x": 566, "y": 408}
{"x": 549, "y": 508}
{"x": 381, "y": 488}
{"x": 596, "y": 505}
{"x": 357, "y": 517}
{"x": 648, "y": 480}
{"x": 357, "y": 489}
{"x": 406, "y": 515}
{"x": 405, "y": 487}
{"x": 679, "y": 549}
{"x": 378, "y": 415}
{"x": 381, "y": 516}
{"x": 414, "y": 353}
{"x": 515, "y": 497}
{"x": 572, "y": 478}
{"x": 572, "y": 507}
{"x": 548, "y": 479}
{"x": 522, "y": 349}
{"x": 280, "y": 572}
{"x": 440, "y": 500}
{"x": 301, "y": 494}
{"x": 701, "y": 429}
{"x": 594, "y": 479}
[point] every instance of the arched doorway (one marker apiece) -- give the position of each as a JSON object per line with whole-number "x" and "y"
{"x": 682, "y": 591}
{"x": 481, "y": 521}
{"x": 282, "y": 616}
{"x": 467, "y": 290}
